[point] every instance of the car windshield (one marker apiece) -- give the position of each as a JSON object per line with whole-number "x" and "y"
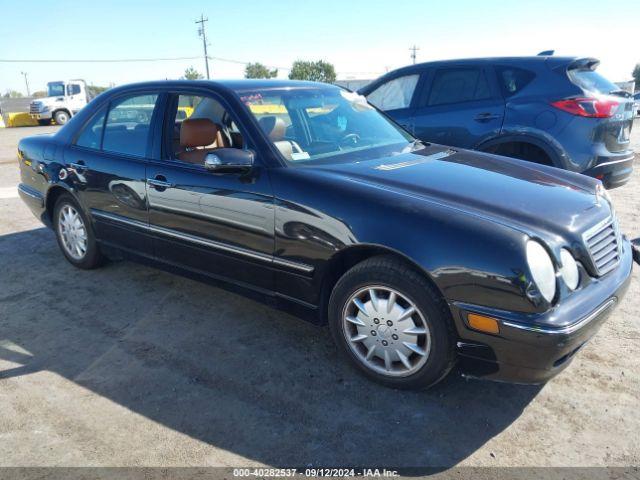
{"x": 324, "y": 125}
{"x": 55, "y": 90}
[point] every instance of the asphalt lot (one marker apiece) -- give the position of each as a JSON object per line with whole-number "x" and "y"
{"x": 131, "y": 366}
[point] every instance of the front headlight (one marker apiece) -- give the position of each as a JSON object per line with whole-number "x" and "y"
{"x": 569, "y": 271}
{"x": 542, "y": 270}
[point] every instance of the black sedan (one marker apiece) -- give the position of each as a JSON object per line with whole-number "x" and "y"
{"x": 301, "y": 194}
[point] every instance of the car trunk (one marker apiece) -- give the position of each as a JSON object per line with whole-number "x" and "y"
{"x": 614, "y": 131}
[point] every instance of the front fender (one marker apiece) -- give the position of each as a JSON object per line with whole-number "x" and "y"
{"x": 470, "y": 258}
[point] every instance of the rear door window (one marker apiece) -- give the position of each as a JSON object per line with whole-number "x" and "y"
{"x": 128, "y": 123}
{"x": 512, "y": 79}
{"x": 394, "y": 94}
{"x": 457, "y": 85}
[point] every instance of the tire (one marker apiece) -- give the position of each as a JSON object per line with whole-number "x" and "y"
{"x": 61, "y": 117}
{"x": 88, "y": 257}
{"x": 387, "y": 275}
{"x": 43, "y": 123}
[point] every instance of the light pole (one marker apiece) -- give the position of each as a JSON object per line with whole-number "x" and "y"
{"x": 203, "y": 34}
{"x": 26, "y": 81}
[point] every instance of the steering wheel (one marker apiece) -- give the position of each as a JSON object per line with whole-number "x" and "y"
{"x": 350, "y": 139}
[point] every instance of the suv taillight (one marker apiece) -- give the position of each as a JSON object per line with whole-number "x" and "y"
{"x": 588, "y": 107}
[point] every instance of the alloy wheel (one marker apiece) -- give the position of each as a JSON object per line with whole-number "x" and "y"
{"x": 386, "y": 331}
{"x": 73, "y": 232}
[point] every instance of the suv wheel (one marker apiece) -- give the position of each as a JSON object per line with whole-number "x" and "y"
{"x": 75, "y": 235}
{"x": 392, "y": 324}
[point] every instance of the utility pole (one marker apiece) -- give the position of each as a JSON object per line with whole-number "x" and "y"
{"x": 203, "y": 34}
{"x": 413, "y": 50}
{"x": 26, "y": 81}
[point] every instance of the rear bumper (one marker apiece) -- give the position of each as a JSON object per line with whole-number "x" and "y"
{"x": 534, "y": 349}
{"x": 34, "y": 200}
{"x": 614, "y": 171}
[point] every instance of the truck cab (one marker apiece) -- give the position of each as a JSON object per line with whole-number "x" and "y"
{"x": 64, "y": 99}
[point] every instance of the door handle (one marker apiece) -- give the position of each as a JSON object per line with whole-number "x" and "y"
{"x": 159, "y": 182}
{"x": 485, "y": 117}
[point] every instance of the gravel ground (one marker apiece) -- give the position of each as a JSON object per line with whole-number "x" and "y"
{"x": 132, "y": 366}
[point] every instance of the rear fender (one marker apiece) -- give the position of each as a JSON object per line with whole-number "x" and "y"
{"x": 539, "y": 138}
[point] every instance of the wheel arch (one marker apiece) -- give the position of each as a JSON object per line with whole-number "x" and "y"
{"x": 348, "y": 257}
{"x": 553, "y": 152}
{"x": 54, "y": 192}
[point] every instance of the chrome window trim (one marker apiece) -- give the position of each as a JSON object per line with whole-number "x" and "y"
{"x": 308, "y": 269}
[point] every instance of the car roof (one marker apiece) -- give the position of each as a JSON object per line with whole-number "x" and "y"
{"x": 530, "y": 61}
{"x": 239, "y": 85}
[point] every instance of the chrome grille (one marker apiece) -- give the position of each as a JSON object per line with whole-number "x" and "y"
{"x": 34, "y": 107}
{"x": 603, "y": 244}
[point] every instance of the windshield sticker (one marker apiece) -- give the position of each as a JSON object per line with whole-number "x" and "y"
{"x": 252, "y": 98}
{"x": 410, "y": 163}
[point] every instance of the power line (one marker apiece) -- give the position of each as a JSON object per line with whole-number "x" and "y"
{"x": 86, "y": 60}
{"x": 156, "y": 59}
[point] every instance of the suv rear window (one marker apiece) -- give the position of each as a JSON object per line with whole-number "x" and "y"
{"x": 512, "y": 79}
{"x": 591, "y": 81}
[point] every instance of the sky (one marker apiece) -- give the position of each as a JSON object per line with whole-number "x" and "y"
{"x": 362, "y": 38}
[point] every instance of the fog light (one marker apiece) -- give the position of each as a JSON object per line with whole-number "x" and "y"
{"x": 482, "y": 323}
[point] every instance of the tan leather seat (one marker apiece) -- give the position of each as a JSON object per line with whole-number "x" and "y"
{"x": 274, "y": 127}
{"x": 199, "y": 136}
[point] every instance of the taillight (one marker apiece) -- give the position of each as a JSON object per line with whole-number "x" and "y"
{"x": 588, "y": 107}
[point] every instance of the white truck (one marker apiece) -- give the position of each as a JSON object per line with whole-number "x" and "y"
{"x": 64, "y": 99}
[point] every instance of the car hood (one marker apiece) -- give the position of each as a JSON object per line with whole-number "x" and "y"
{"x": 513, "y": 192}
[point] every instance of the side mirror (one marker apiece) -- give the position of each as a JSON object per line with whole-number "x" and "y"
{"x": 229, "y": 160}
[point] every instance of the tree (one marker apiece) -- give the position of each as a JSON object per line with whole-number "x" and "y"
{"x": 39, "y": 94}
{"x": 192, "y": 74}
{"x": 13, "y": 94}
{"x": 636, "y": 76}
{"x": 319, "y": 71}
{"x": 95, "y": 90}
{"x": 258, "y": 70}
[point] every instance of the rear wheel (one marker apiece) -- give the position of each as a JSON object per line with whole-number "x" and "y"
{"x": 61, "y": 117}
{"x": 392, "y": 324}
{"x": 75, "y": 235}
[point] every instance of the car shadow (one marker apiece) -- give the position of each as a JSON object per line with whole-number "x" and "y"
{"x": 226, "y": 370}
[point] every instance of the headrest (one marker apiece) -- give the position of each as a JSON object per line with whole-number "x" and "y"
{"x": 197, "y": 132}
{"x": 274, "y": 127}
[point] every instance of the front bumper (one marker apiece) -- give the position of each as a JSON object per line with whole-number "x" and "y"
{"x": 41, "y": 116}
{"x": 533, "y": 349}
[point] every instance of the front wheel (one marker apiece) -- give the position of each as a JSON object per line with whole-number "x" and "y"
{"x": 61, "y": 117}
{"x": 75, "y": 235}
{"x": 392, "y": 324}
